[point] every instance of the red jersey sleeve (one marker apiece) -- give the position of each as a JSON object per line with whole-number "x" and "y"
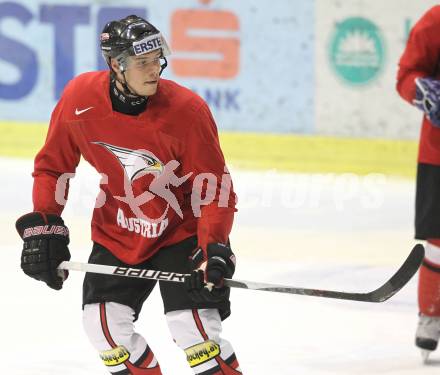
{"x": 421, "y": 55}
{"x": 58, "y": 156}
{"x": 210, "y": 180}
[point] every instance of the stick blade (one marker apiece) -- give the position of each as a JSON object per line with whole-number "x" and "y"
{"x": 406, "y": 271}
{"x": 400, "y": 278}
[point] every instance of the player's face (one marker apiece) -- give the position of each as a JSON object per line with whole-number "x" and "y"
{"x": 142, "y": 73}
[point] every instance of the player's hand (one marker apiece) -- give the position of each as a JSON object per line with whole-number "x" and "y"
{"x": 206, "y": 281}
{"x": 45, "y": 240}
{"x": 428, "y": 98}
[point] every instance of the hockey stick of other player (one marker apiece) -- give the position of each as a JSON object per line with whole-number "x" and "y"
{"x": 381, "y": 294}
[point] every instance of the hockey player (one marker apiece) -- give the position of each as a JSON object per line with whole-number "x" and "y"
{"x": 166, "y": 203}
{"x": 418, "y": 82}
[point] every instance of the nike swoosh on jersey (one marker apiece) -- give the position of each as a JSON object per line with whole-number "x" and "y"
{"x": 78, "y": 112}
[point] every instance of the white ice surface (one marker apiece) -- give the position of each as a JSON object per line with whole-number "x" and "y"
{"x": 337, "y": 232}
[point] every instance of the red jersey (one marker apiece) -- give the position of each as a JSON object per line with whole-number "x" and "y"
{"x": 164, "y": 175}
{"x": 421, "y": 58}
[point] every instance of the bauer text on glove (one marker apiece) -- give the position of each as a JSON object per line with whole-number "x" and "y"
{"x": 45, "y": 240}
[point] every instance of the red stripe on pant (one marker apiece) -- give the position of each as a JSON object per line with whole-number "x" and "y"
{"x": 134, "y": 370}
{"x": 225, "y": 369}
{"x": 429, "y": 285}
{"x": 428, "y": 289}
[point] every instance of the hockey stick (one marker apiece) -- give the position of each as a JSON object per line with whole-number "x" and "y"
{"x": 387, "y": 290}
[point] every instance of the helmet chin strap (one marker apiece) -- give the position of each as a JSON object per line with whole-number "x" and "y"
{"x": 163, "y": 66}
{"x": 127, "y": 89}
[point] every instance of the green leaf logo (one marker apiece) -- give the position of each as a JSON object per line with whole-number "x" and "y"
{"x": 357, "y": 51}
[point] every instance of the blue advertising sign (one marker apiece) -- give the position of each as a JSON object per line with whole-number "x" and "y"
{"x": 251, "y": 61}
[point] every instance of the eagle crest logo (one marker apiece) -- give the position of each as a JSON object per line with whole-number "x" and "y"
{"x": 135, "y": 163}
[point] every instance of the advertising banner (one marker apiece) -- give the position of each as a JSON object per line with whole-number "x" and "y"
{"x": 251, "y": 61}
{"x": 358, "y": 46}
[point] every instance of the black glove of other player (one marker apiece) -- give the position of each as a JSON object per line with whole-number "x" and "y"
{"x": 205, "y": 283}
{"x": 45, "y": 247}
